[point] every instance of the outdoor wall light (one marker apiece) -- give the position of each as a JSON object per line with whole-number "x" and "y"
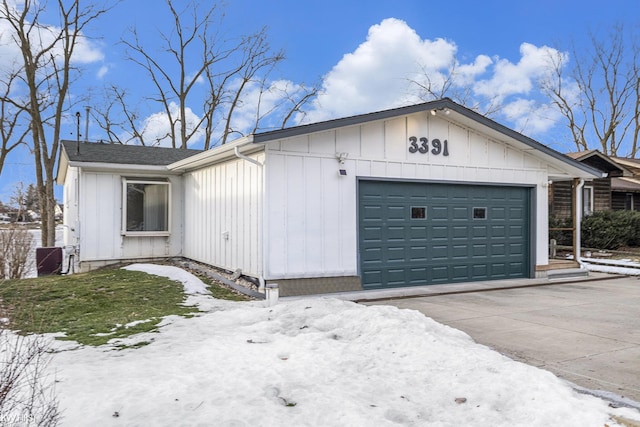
{"x": 341, "y": 157}
{"x": 442, "y": 110}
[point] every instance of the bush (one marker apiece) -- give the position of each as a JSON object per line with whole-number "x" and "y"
{"x": 27, "y": 397}
{"x": 611, "y": 229}
{"x": 16, "y": 244}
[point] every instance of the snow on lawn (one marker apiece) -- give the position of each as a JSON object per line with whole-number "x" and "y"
{"x": 315, "y": 362}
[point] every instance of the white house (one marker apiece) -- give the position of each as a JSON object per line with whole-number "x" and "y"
{"x": 427, "y": 194}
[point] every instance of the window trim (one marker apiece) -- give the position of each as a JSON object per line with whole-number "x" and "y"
{"x": 123, "y": 227}
{"x": 588, "y": 210}
{"x": 479, "y": 209}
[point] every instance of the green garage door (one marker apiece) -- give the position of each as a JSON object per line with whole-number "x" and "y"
{"x": 413, "y": 234}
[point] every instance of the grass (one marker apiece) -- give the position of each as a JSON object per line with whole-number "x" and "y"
{"x": 93, "y": 308}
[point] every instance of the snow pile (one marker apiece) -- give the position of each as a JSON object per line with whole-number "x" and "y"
{"x": 625, "y": 267}
{"x": 192, "y": 285}
{"x": 319, "y": 362}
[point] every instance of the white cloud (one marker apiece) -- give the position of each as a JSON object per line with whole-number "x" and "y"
{"x": 515, "y": 79}
{"x": 381, "y": 73}
{"x": 530, "y": 117}
{"x": 156, "y": 128}
{"x": 102, "y": 71}
{"x": 85, "y": 51}
{"x": 377, "y": 74}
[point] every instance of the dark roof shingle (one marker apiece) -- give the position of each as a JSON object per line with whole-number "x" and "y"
{"x": 124, "y": 154}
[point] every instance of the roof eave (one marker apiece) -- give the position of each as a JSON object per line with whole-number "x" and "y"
{"x": 120, "y": 167}
{"x": 215, "y": 154}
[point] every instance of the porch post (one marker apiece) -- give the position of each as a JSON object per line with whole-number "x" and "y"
{"x": 577, "y": 217}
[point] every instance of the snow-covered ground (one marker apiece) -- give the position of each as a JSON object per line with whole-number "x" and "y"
{"x": 314, "y": 362}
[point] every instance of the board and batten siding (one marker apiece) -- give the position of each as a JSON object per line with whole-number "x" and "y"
{"x": 311, "y": 211}
{"x": 223, "y": 215}
{"x": 70, "y": 213}
{"x": 100, "y": 216}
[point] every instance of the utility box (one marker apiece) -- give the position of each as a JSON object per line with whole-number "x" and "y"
{"x": 49, "y": 260}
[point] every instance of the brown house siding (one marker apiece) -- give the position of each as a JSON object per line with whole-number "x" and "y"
{"x": 620, "y": 201}
{"x": 601, "y": 195}
{"x": 560, "y": 199}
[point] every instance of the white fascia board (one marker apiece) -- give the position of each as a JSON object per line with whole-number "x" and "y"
{"x": 215, "y": 155}
{"x": 118, "y": 167}
{"x": 63, "y": 165}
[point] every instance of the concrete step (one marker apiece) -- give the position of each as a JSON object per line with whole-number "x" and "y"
{"x": 566, "y": 273}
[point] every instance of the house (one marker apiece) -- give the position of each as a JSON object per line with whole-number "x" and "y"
{"x": 618, "y": 190}
{"x": 596, "y": 193}
{"x": 625, "y": 190}
{"x": 426, "y": 194}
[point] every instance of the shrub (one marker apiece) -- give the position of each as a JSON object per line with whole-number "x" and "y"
{"x": 16, "y": 243}
{"x": 27, "y": 396}
{"x": 611, "y": 229}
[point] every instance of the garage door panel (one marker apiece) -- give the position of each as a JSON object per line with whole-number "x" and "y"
{"x": 425, "y": 233}
{"x": 460, "y": 213}
{"x": 479, "y": 232}
{"x": 460, "y": 232}
{"x": 439, "y": 232}
{"x": 439, "y": 252}
{"x": 439, "y": 213}
{"x": 460, "y": 251}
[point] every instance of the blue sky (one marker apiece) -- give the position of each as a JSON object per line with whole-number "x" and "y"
{"x": 363, "y": 54}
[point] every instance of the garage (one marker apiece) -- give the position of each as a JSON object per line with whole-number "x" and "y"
{"x": 421, "y": 233}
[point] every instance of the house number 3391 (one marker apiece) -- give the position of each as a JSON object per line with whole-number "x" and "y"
{"x": 423, "y": 146}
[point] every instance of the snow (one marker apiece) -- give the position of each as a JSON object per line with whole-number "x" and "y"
{"x": 192, "y": 285}
{"x": 624, "y": 267}
{"x": 310, "y": 362}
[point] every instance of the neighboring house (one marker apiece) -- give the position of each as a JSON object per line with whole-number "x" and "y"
{"x": 625, "y": 190}
{"x": 427, "y": 194}
{"x": 619, "y": 190}
{"x": 596, "y": 193}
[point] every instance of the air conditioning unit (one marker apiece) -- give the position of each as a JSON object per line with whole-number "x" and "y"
{"x": 49, "y": 260}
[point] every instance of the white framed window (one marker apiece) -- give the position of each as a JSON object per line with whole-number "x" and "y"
{"x": 146, "y": 207}
{"x": 587, "y": 200}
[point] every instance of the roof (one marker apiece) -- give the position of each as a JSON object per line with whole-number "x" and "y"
{"x": 596, "y": 159}
{"x": 445, "y": 106}
{"x": 631, "y": 164}
{"x": 123, "y": 154}
{"x": 625, "y": 184}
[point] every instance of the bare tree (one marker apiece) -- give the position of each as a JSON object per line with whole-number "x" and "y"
{"x": 200, "y": 98}
{"x": 599, "y": 94}
{"x": 46, "y": 72}
{"x": 13, "y": 128}
{"x": 437, "y": 85}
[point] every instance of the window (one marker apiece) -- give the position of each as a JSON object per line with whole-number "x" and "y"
{"x": 418, "y": 212}
{"x": 145, "y": 207}
{"x": 587, "y": 201}
{"x": 628, "y": 202}
{"x": 479, "y": 213}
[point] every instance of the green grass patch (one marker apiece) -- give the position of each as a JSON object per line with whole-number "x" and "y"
{"x": 93, "y": 308}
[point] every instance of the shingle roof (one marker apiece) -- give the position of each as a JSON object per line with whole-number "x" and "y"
{"x": 124, "y": 154}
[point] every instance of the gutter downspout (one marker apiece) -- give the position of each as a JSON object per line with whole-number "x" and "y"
{"x": 239, "y": 155}
{"x": 577, "y": 239}
{"x": 261, "y": 281}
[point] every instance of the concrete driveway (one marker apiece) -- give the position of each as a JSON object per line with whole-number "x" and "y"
{"x": 586, "y": 331}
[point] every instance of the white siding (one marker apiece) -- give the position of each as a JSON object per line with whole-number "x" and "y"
{"x": 311, "y": 211}
{"x": 223, "y": 215}
{"x": 70, "y": 205}
{"x": 100, "y": 210}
